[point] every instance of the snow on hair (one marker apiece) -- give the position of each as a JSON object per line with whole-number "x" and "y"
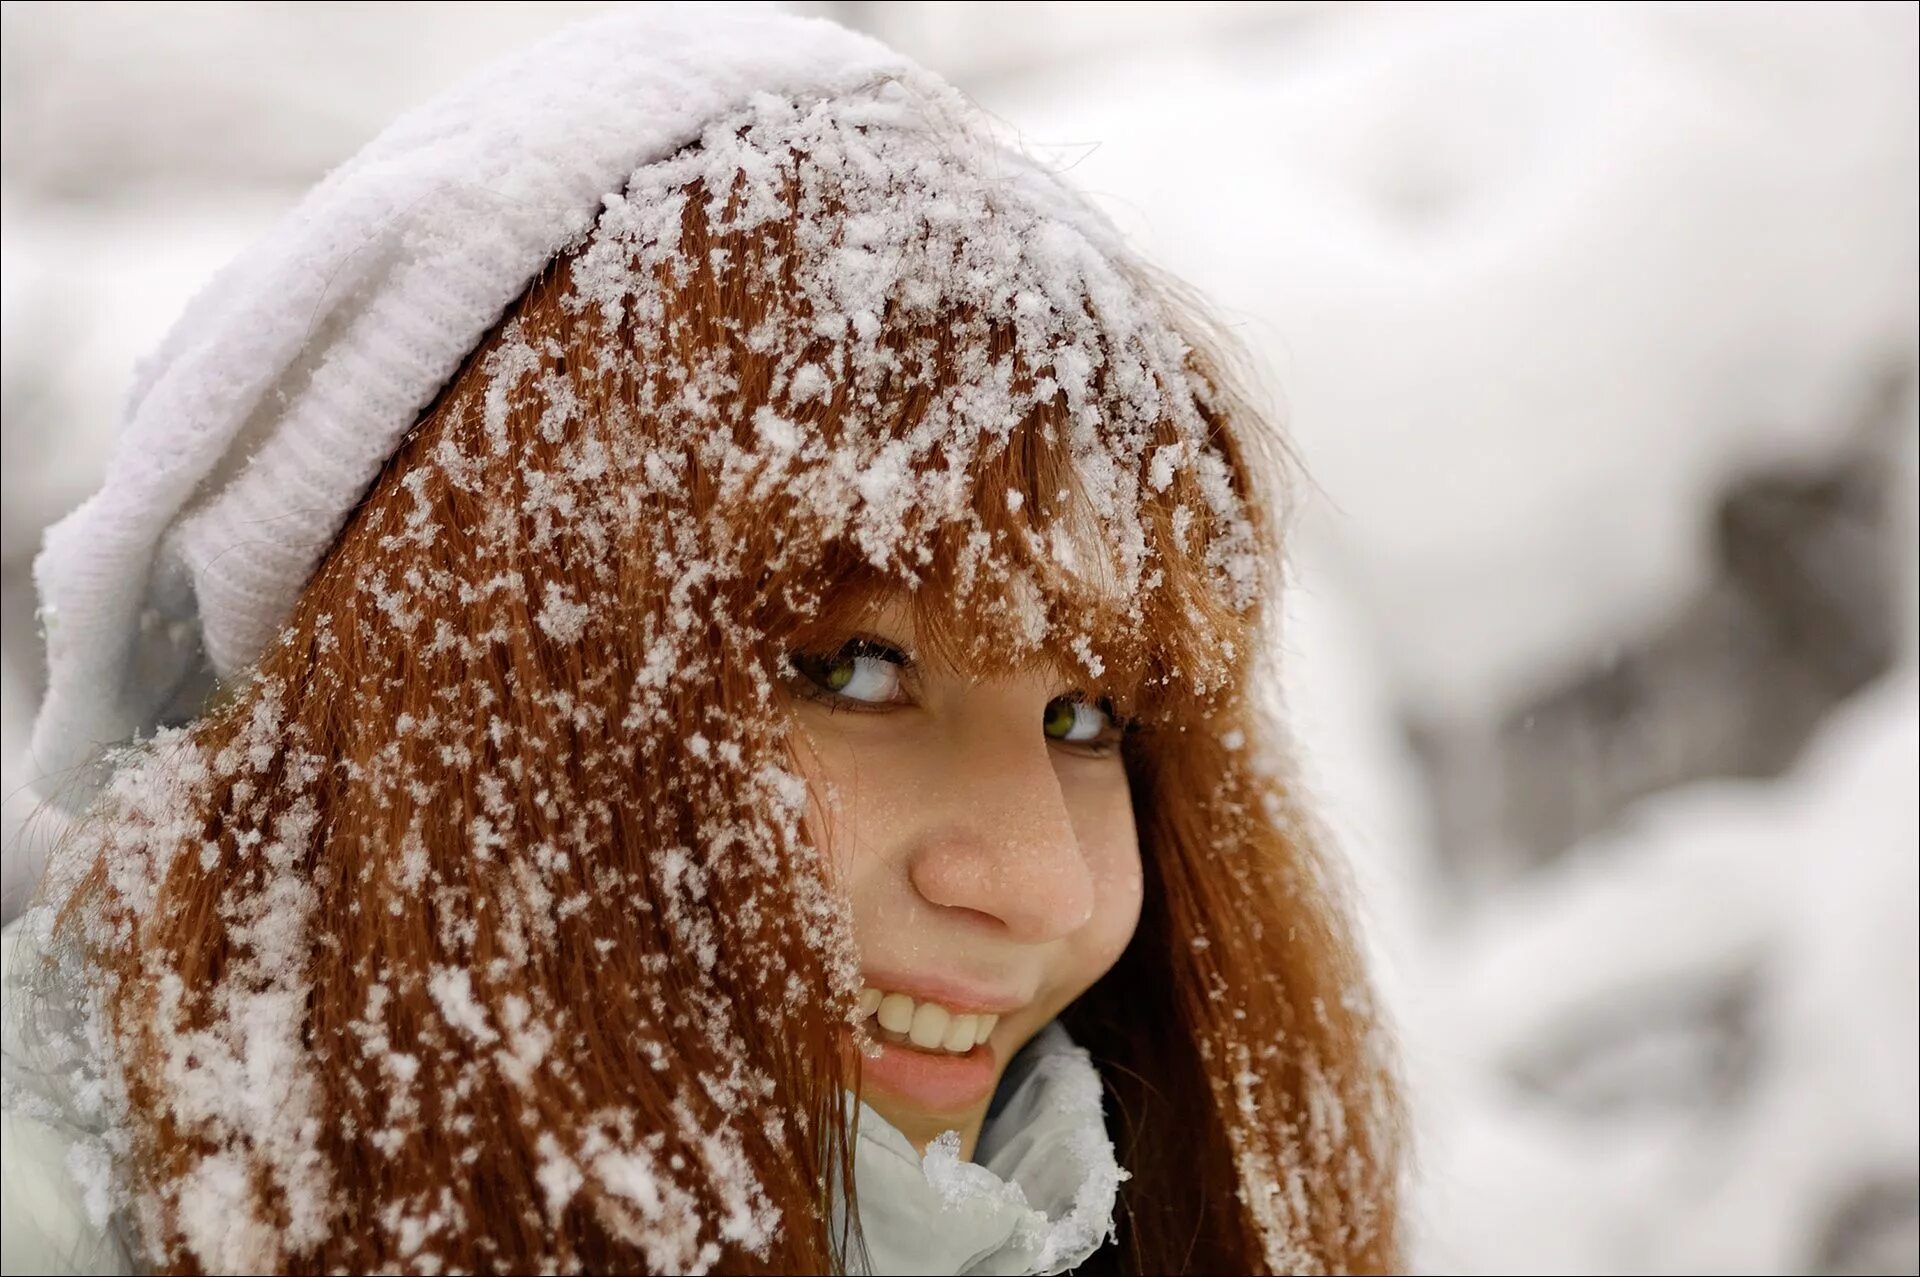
{"x": 485, "y": 924}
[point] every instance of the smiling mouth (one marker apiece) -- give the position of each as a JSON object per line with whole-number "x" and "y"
{"x": 923, "y": 1024}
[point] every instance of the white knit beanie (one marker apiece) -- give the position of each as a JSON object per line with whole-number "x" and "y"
{"x": 273, "y": 402}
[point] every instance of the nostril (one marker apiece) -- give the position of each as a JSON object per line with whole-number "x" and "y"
{"x": 980, "y": 916}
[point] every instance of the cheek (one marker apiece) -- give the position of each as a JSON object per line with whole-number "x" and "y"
{"x": 850, "y": 813}
{"x": 1111, "y": 845}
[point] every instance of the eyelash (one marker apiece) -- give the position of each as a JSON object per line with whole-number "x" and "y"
{"x": 802, "y": 684}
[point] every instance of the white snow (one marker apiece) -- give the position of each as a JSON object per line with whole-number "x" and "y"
{"x": 1803, "y": 892}
{"x": 1534, "y": 282}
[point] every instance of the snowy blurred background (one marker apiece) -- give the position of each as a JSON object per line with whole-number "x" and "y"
{"x": 1595, "y": 326}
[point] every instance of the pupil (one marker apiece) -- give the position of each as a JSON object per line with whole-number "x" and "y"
{"x": 1059, "y": 720}
{"x": 839, "y": 674}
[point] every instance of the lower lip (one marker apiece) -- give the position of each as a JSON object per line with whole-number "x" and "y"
{"x": 936, "y": 1083}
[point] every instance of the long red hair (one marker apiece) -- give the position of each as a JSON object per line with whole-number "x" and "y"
{"x": 482, "y": 925}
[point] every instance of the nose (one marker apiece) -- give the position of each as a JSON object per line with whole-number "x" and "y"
{"x": 1005, "y": 848}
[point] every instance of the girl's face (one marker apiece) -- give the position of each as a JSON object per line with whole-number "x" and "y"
{"x": 984, "y": 833}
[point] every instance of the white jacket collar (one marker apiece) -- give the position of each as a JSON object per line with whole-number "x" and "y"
{"x": 1038, "y": 1199}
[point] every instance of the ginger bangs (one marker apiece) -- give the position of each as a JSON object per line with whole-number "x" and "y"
{"x": 857, "y": 353}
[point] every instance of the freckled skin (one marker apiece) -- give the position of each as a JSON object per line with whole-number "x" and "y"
{"x": 973, "y": 847}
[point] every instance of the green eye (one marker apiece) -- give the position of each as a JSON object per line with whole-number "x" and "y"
{"x": 1069, "y": 718}
{"x": 834, "y": 675}
{"x": 861, "y": 671}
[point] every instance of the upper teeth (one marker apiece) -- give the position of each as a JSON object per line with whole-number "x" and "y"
{"x": 928, "y": 1025}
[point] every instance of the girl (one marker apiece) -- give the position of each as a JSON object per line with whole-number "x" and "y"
{"x": 763, "y": 774}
